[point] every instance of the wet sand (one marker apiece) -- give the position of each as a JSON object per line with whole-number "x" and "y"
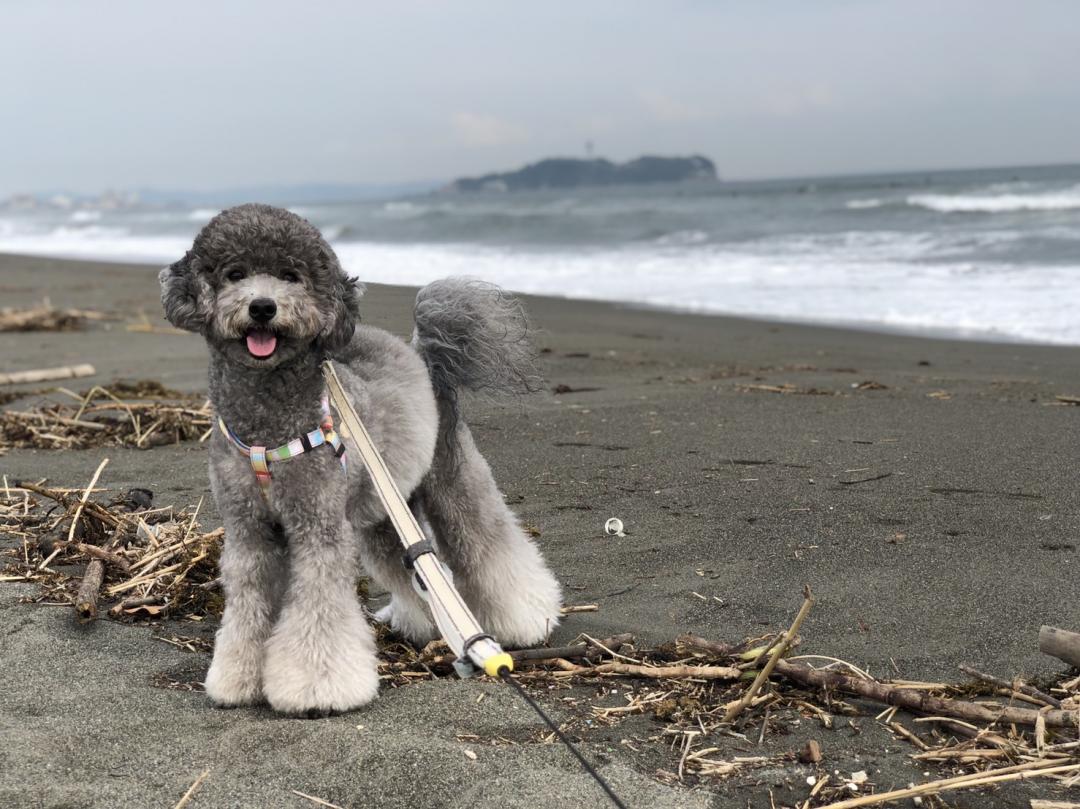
{"x": 935, "y": 513}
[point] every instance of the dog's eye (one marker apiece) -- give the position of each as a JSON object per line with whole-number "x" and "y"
{"x": 235, "y": 275}
{"x": 291, "y": 277}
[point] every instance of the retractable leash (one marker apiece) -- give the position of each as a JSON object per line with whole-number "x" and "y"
{"x": 475, "y": 649}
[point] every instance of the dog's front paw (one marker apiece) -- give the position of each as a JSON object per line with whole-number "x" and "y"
{"x": 235, "y": 674}
{"x": 308, "y": 673}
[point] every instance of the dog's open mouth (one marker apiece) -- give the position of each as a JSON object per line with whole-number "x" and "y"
{"x": 261, "y": 343}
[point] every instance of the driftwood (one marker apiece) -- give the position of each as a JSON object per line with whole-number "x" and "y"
{"x": 64, "y": 499}
{"x": 86, "y": 600}
{"x": 1018, "y": 772}
{"x": 711, "y": 646}
{"x": 142, "y": 414}
{"x": 45, "y": 318}
{"x": 1060, "y": 643}
{"x": 98, "y": 553}
{"x": 39, "y": 417}
{"x": 922, "y": 702}
{"x": 571, "y": 652}
{"x": 523, "y": 658}
{"x": 47, "y": 374}
{"x": 664, "y": 672}
{"x": 676, "y": 672}
{"x": 1017, "y": 686}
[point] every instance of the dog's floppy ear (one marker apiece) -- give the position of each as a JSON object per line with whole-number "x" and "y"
{"x": 345, "y": 313}
{"x": 185, "y": 294}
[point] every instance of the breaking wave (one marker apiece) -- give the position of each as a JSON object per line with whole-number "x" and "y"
{"x": 1066, "y": 200}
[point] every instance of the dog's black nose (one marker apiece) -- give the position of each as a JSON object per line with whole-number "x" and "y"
{"x": 262, "y": 310}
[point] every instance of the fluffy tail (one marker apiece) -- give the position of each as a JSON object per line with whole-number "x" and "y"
{"x": 474, "y": 336}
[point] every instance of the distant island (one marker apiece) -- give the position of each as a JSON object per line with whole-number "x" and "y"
{"x": 568, "y": 172}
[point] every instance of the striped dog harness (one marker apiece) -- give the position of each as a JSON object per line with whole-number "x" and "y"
{"x": 261, "y": 457}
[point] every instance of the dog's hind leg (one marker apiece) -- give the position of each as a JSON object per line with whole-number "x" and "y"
{"x": 253, "y": 574}
{"x": 382, "y": 555}
{"x": 497, "y": 569}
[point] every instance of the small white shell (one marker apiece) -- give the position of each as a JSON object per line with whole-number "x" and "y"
{"x": 614, "y": 527}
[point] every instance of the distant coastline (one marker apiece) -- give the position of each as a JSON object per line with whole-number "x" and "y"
{"x": 569, "y": 172}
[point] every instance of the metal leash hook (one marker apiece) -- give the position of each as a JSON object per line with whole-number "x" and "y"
{"x": 475, "y": 649}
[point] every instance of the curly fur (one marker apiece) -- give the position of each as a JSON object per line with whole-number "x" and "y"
{"x": 293, "y": 632}
{"x": 259, "y": 239}
{"x": 474, "y": 336}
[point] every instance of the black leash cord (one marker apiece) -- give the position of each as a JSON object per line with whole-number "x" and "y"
{"x": 505, "y": 675}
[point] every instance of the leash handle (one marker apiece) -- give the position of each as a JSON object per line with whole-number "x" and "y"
{"x": 433, "y": 579}
{"x": 452, "y": 616}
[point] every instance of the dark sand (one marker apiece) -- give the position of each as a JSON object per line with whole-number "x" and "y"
{"x": 935, "y": 530}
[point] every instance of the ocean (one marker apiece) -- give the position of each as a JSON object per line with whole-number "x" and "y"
{"x": 987, "y": 254}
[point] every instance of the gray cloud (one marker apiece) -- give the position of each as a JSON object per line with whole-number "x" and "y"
{"x": 201, "y": 94}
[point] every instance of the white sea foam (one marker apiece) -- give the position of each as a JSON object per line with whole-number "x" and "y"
{"x": 863, "y": 204}
{"x": 863, "y": 278}
{"x": 1064, "y": 200}
{"x": 1007, "y": 302}
{"x": 86, "y": 216}
{"x": 203, "y": 214}
{"x": 95, "y": 242}
{"x": 403, "y": 208}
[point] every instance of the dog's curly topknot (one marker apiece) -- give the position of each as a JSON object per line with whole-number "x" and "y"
{"x": 474, "y": 336}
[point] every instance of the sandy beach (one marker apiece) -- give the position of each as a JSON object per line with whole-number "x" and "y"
{"x": 924, "y": 488}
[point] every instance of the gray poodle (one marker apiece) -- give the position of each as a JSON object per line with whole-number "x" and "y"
{"x": 266, "y": 291}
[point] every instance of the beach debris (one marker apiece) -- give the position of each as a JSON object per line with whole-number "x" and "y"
{"x": 707, "y": 697}
{"x": 140, "y": 414}
{"x": 45, "y": 317}
{"x": 869, "y": 479}
{"x": 781, "y": 646}
{"x": 88, "y": 547}
{"x": 1069, "y": 400}
{"x": 786, "y": 389}
{"x": 187, "y": 796}
{"x": 143, "y": 325}
{"x": 1060, "y": 643}
{"x": 314, "y": 800}
{"x": 614, "y": 527}
{"x": 811, "y": 752}
{"x": 563, "y": 388}
{"x": 86, "y": 600}
{"x": 47, "y": 374}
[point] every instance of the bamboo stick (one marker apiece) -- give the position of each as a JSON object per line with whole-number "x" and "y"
{"x": 47, "y": 374}
{"x": 85, "y": 495}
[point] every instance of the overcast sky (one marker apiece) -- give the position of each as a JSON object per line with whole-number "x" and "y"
{"x": 215, "y": 94}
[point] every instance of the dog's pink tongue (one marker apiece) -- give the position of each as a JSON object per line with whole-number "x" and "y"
{"x": 261, "y": 343}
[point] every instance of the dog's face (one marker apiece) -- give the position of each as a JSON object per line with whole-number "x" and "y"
{"x": 263, "y": 287}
